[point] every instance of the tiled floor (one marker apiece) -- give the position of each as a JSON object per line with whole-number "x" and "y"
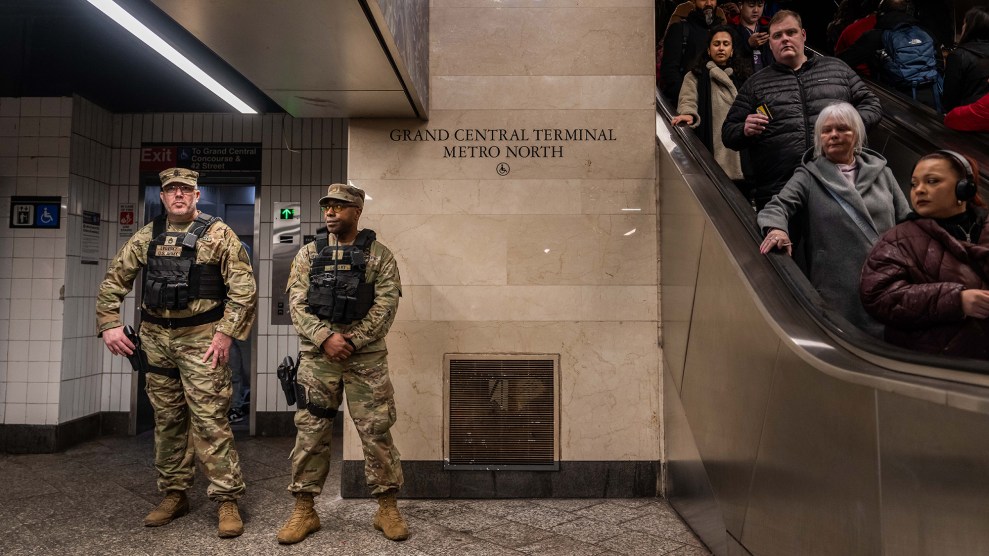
{"x": 92, "y": 499}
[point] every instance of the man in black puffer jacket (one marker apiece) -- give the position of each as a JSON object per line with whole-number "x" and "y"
{"x": 793, "y": 91}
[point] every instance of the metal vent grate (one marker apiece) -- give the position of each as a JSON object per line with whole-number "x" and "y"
{"x": 502, "y": 411}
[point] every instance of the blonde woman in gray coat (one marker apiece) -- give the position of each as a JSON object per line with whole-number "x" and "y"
{"x": 708, "y": 92}
{"x": 847, "y": 198}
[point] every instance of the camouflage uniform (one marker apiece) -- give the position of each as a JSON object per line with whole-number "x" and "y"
{"x": 363, "y": 375}
{"x": 201, "y": 397}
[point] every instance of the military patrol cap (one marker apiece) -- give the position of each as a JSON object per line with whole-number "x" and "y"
{"x": 345, "y": 193}
{"x": 181, "y": 175}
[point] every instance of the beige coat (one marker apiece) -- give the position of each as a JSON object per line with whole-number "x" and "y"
{"x": 722, "y": 95}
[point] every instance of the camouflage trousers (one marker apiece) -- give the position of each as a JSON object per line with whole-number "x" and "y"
{"x": 371, "y": 401}
{"x": 191, "y": 412}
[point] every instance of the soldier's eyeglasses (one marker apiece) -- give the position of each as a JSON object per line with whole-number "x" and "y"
{"x": 172, "y": 188}
{"x": 335, "y": 208}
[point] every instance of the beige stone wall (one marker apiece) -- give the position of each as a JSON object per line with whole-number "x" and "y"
{"x": 559, "y": 255}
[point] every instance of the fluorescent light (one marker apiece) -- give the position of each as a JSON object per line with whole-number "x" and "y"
{"x": 631, "y": 209}
{"x": 630, "y": 232}
{"x": 147, "y": 36}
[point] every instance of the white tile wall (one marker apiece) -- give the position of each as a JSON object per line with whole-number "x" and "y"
{"x": 299, "y": 158}
{"x": 52, "y": 367}
{"x": 34, "y": 160}
{"x": 88, "y": 190}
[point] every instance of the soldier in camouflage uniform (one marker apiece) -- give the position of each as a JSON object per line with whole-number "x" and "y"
{"x": 344, "y": 356}
{"x": 187, "y": 343}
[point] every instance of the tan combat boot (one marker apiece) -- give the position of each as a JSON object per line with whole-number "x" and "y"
{"x": 175, "y": 504}
{"x": 230, "y": 523}
{"x": 388, "y": 520}
{"x": 302, "y": 521}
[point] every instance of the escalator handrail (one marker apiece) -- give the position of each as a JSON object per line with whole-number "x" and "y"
{"x": 838, "y": 332}
{"x": 926, "y": 127}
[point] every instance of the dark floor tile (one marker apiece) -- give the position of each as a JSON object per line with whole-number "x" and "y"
{"x": 18, "y": 540}
{"x": 610, "y": 512}
{"x": 479, "y": 549}
{"x": 430, "y": 509}
{"x": 560, "y": 546}
{"x": 663, "y": 525}
{"x": 513, "y": 535}
{"x": 542, "y": 517}
{"x": 44, "y": 508}
{"x": 468, "y": 520}
{"x": 500, "y": 508}
{"x": 567, "y": 504}
{"x": 253, "y": 470}
{"x": 92, "y": 499}
{"x": 588, "y": 530}
{"x": 634, "y": 543}
{"x": 690, "y": 551}
{"x": 431, "y": 538}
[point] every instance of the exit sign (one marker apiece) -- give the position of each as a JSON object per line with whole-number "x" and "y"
{"x": 287, "y": 214}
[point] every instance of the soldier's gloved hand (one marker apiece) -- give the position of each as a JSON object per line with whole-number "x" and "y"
{"x": 117, "y": 342}
{"x": 337, "y": 348}
{"x": 219, "y": 350}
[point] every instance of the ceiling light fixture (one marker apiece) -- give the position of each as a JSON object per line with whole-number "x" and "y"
{"x": 148, "y": 37}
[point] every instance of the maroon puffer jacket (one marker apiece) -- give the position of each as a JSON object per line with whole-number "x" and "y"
{"x": 912, "y": 282}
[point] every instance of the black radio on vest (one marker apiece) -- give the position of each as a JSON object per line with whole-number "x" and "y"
{"x": 172, "y": 278}
{"x": 338, "y": 291}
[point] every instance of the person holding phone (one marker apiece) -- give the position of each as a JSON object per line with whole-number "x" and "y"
{"x": 752, "y": 34}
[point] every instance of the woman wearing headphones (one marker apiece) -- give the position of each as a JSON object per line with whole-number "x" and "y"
{"x": 927, "y": 279}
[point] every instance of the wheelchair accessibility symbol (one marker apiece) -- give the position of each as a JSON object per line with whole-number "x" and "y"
{"x": 34, "y": 212}
{"x": 503, "y": 169}
{"x": 46, "y": 215}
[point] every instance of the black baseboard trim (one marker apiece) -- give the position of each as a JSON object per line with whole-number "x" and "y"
{"x": 274, "y": 423}
{"x": 575, "y": 479}
{"x": 114, "y": 423}
{"x": 47, "y": 439}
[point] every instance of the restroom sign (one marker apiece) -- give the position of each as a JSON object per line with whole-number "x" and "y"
{"x": 35, "y": 212}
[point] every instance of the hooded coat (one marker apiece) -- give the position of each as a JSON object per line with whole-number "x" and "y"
{"x": 835, "y": 246}
{"x": 912, "y": 281}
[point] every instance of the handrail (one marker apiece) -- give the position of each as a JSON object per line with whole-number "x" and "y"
{"x": 892, "y": 362}
{"x": 926, "y": 127}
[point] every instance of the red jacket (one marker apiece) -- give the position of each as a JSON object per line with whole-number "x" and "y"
{"x": 971, "y": 117}
{"x": 912, "y": 282}
{"x": 852, "y": 33}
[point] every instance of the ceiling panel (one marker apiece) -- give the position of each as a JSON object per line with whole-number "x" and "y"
{"x": 321, "y": 58}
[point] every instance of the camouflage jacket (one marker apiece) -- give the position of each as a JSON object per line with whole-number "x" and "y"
{"x": 369, "y": 332}
{"x": 219, "y": 246}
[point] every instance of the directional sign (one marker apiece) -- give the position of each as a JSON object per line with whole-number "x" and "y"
{"x": 287, "y": 214}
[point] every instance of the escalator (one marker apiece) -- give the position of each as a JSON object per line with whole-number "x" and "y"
{"x": 788, "y": 431}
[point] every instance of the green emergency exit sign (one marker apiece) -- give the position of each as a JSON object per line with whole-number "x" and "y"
{"x": 287, "y": 214}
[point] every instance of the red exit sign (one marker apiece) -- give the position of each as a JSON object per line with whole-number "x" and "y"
{"x": 156, "y": 159}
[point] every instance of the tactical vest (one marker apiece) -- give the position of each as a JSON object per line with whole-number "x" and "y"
{"x": 172, "y": 278}
{"x": 338, "y": 291}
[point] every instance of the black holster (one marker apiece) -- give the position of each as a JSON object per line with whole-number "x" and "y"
{"x": 295, "y": 393}
{"x": 287, "y": 372}
{"x": 139, "y": 359}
